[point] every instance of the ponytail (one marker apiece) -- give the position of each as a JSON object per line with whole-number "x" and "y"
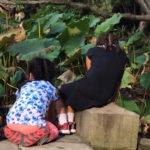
{"x": 108, "y": 41}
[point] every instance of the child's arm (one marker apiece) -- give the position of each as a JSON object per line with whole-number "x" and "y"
{"x": 88, "y": 63}
{"x": 51, "y": 112}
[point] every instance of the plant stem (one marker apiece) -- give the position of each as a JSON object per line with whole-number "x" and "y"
{"x": 60, "y": 65}
{"x": 134, "y": 59}
{"x": 9, "y": 57}
{"x": 72, "y": 68}
{"x": 106, "y": 4}
{"x": 27, "y": 64}
{"x": 83, "y": 62}
{"x": 6, "y": 92}
{"x": 143, "y": 106}
{"x": 121, "y": 101}
{"x": 39, "y": 28}
{"x": 137, "y": 73}
{"x": 6, "y": 21}
{"x": 9, "y": 85}
{"x": 5, "y": 61}
{"x": 22, "y": 70}
{"x": 79, "y": 67}
{"x": 13, "y": 61}
{"x": 76, "y": 66}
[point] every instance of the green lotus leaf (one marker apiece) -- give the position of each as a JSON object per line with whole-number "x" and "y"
{"x": 134, "y": 38}
{"x": 145, "y": 81}
{"x": 30, "y": 48}
{"x": 93, "y": 21}
{"x": 142, "y": 59}
{"x": 86, "y": 47}
{"x": 107, "y": 25}
{"x": 129, "y": 105}
{"x": 16, "y": 78}
{"x": 127, "y": 78}
{"x": 73, "y": 44}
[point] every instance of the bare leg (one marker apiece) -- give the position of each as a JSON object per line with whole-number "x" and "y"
{"x": 70, "y": 116}
{"x": 51, "y": 112}
{"x": 70, "y": 109}
{"x": 62, "y": 117}
{"x": 60, "y": 107}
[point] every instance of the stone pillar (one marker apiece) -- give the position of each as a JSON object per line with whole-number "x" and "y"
{"x": 108, "y": 128}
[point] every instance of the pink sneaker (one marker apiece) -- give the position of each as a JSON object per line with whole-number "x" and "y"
{"x": 63, "y": 128}
{"x": 72, "y": 127}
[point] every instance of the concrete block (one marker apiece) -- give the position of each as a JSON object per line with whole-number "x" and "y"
{"x": 108, "y": 128}
{"x": 144, "y": 144}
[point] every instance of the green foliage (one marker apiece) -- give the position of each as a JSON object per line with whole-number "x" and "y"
{"x": 122, "y": 44}
{"x": 4, "y": 42}
{"x": 74, "y": 36}
{"x": 93, "y": 21}
{"x": 85, "y": 48}
{"x": 74, "y": 43}
{"x": 3, "y": 72}
{"x": 2, "y": 15}
{"x": 140, "y": 108}
{"x": 73, "y": 56}
{"x": 132, "y": 40}
{"x": 16, "y": 78}
{"x": 43, "y": 23}
{"x": 146, "y": 111}
{"x": 145, "y": 81}
{"x": 1, "y": 90}
{"x": 51, "y": 19}
{"x": 142, "y": 59}
{"x": 2, "y": 21}
{"x": 127, "y": 79}
{"x": 76, "y": 28}
{"x": 35, "y": 47}
{"x": 129, "y": 105}
{"x": 108, "y": 24}
{"x": 58, "y": 27}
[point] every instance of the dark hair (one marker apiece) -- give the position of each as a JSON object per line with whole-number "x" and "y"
{"x": 42, "y": 69}
{"x": 108, "y": 40}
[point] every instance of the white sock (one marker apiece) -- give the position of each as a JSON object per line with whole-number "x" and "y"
{"x": 70, "y": 116}
{"x": 62, "y": 118}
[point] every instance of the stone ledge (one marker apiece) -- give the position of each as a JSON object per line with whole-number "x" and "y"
{"x": 109, "y": 128}
{"x": 68, "y": 142}
{"x": 6, "y": 145}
